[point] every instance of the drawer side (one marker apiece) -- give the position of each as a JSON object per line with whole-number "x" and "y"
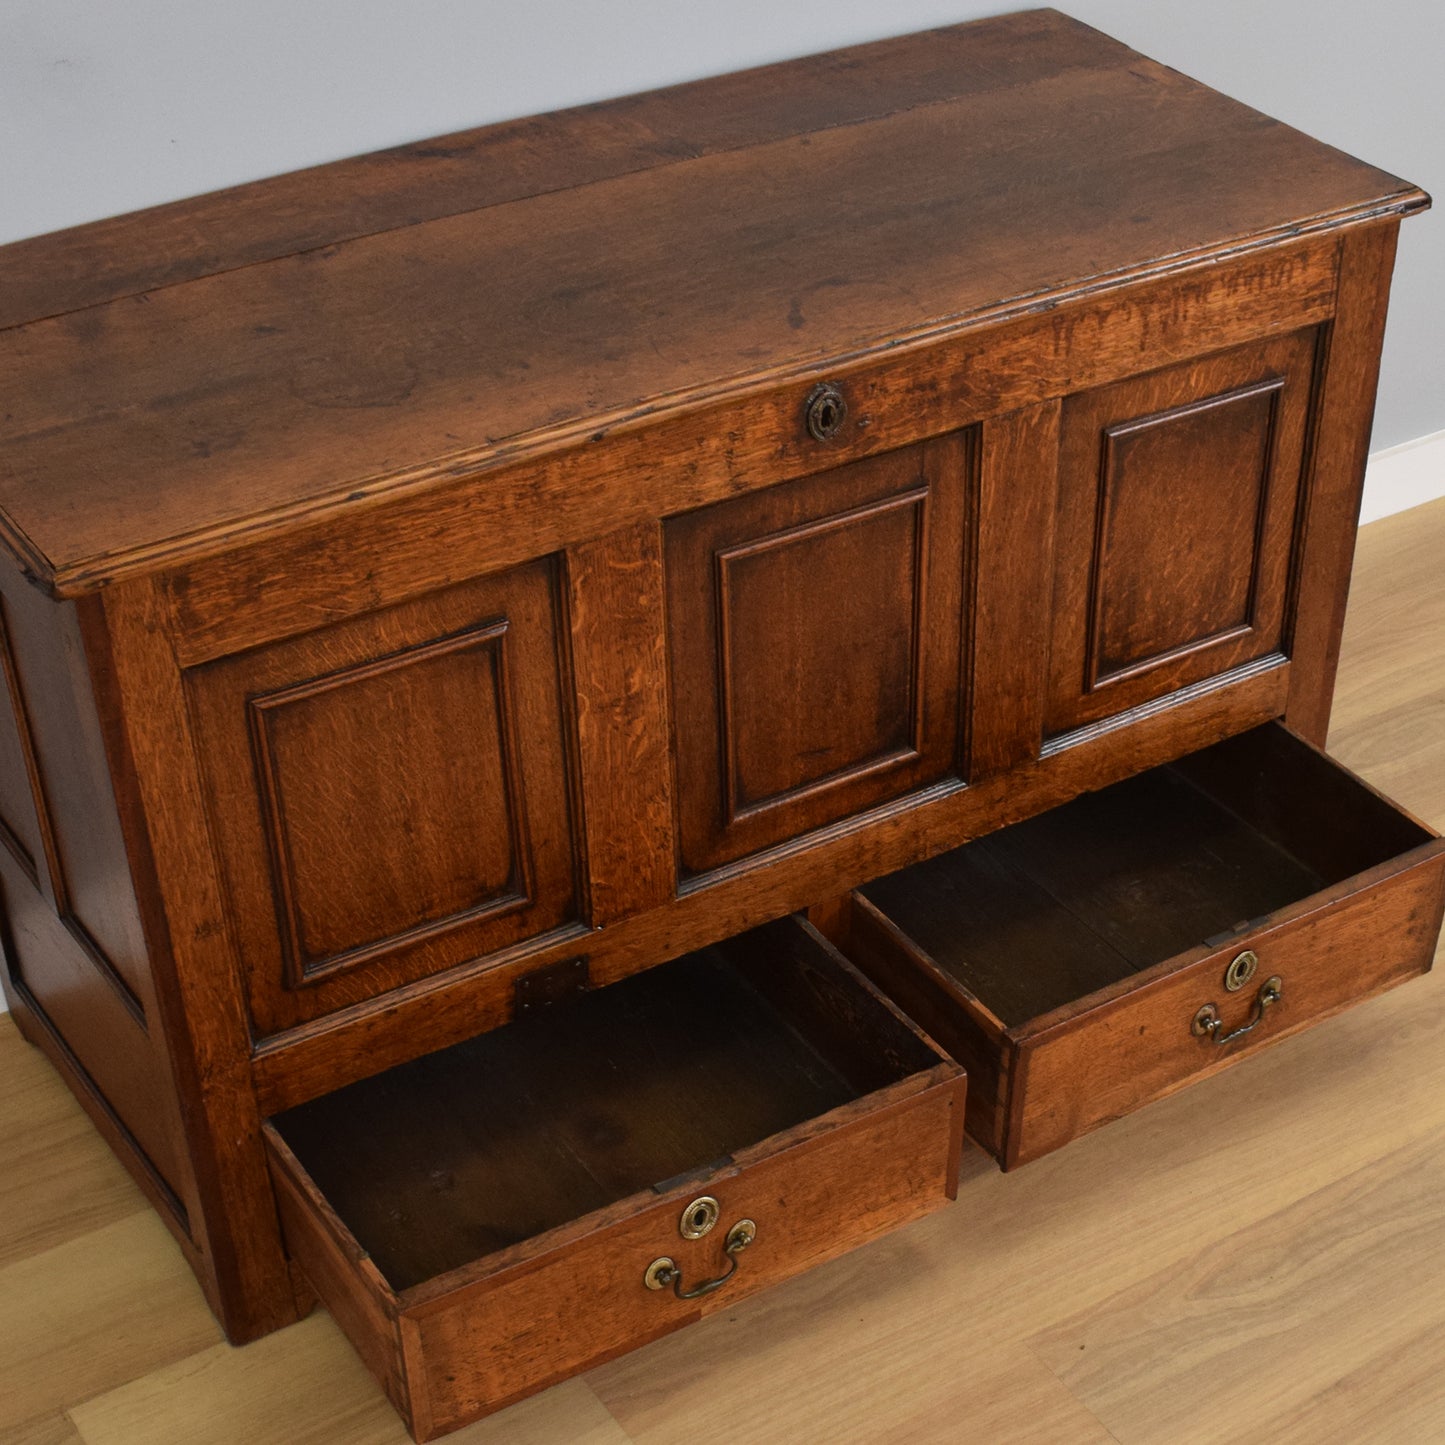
{"x": 343, "y": 1277}
{"x": 948, "y": 1013}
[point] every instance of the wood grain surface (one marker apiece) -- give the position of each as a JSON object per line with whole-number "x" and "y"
{"x": 1258, "y": 1259}
{"x": 329, "y": 347}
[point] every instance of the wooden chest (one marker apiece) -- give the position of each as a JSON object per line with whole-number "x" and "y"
{"x": 566, "y": 682}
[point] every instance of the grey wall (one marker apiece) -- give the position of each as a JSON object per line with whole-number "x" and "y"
{"x": 106, "y": 106}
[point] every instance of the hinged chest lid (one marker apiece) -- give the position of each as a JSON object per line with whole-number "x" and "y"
{"x": 207, "y": 372}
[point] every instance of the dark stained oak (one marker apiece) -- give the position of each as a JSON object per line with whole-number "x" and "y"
{"x": 81, "y": 855}
{"x": 393, "y": 794}
{"x": 24, "y": 815}
{"x": 616, "y": 606}
{"x": 76, "y": 960}
{"x": 1077, "y": 1075}
{"x": 471, "y": 170}
{"x": 540, "y": 501}
{"x": 199, "y": 990}
{"x": 355, "y": 1042}
{"x": 439, "y": 654}
{"x": 815, "y": 639}
{"x": 1178, "y": 494}
{"x": 569, "y": 1111}
{"x": 1012, "y": 617}
{"x": 1345, "y": 409}
{"x": 158, "y": 423}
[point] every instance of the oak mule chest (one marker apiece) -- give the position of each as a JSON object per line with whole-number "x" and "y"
{"x": 565, "y": 683}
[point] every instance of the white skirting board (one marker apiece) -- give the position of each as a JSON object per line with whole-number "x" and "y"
{"x": 1397, "y": 478}
{"x": 1404, "y": 476}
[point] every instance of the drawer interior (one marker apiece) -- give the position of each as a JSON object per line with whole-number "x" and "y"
{"x": 459, "y": 1154}
{"x": 1045, "y": 912}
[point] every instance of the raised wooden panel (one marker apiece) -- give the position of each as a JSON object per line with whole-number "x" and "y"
{"x": 77, "y": 968}
{"x": 815, "y": 637}
{"x": 464, "y": 856}
{"x": 55, "y": 981}
{"x": 1178, "y": 493}
{"x": 782, "y": 733}
{"x": 1216, "y": 453}
{"x": 76, "y": 854}
{"x": 21, "y": 811}
{"x": 392, "y": 795}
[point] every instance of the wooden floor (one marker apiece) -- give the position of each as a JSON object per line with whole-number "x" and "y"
{"x": 1259, "y": 1259}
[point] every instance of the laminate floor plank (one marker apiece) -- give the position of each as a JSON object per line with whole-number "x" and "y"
{"x": 94, "y": 1312}
{"x": 852, "y": 1385}
{"x": 1395, "y": 1394}
{"x": 1153, "y": 1362}
{"x": 59, "y": 1180}
{"x": 1389, "y": 716}
{"x": 46, "y": 1430}
{"x": 1257, "y": 1259}
{"x": 306, "y": 1386}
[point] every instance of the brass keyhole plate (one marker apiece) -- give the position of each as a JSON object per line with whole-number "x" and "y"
{"x": 1241, "y": 969}
{"x": 827, "y": 410}
{"x": 699, "y": 1217}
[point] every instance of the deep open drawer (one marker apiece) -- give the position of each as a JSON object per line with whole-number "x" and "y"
{"x": 486, "y": 1220}
{"x": 1106, "y": 953}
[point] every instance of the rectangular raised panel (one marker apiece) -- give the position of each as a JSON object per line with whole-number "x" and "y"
{"x": 57, "y": 808}
{"x": 338, "y": 760}
{"x": 1178, "y": 493}
{"x": 836, "y": 693}
{"x": 74, "y": 954}
{"x": 392, "y": 795}
{"x": 1216, "y": 455}
{"x": 22, "y": 814}
{"x": 59, "y": 982}
{"x": 815, "y": 640}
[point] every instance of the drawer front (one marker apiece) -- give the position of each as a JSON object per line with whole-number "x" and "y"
{"x": 815, "y": 638}
{"x": 1072, "y": 1076}
{"x": 391, "y": 795}
{"x": 545, "y": 1320}
{"x": 1178, "y": 493}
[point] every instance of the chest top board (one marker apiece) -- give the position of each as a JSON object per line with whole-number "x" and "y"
{"x": 227, "y": 368}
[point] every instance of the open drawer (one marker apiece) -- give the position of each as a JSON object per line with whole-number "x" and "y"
{"x": 495, "y": 1217}
{"x": 1106, "y": 953}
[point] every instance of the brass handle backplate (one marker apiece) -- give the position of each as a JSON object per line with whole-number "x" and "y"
{"x": 666, "y": 1273}
{"x": 1208, "y": 1025}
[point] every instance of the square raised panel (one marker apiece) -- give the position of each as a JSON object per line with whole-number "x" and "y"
{"x": 815, "y": 635}
{"x": 392, "y": 794}
{"x": 1178, "y": 494}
